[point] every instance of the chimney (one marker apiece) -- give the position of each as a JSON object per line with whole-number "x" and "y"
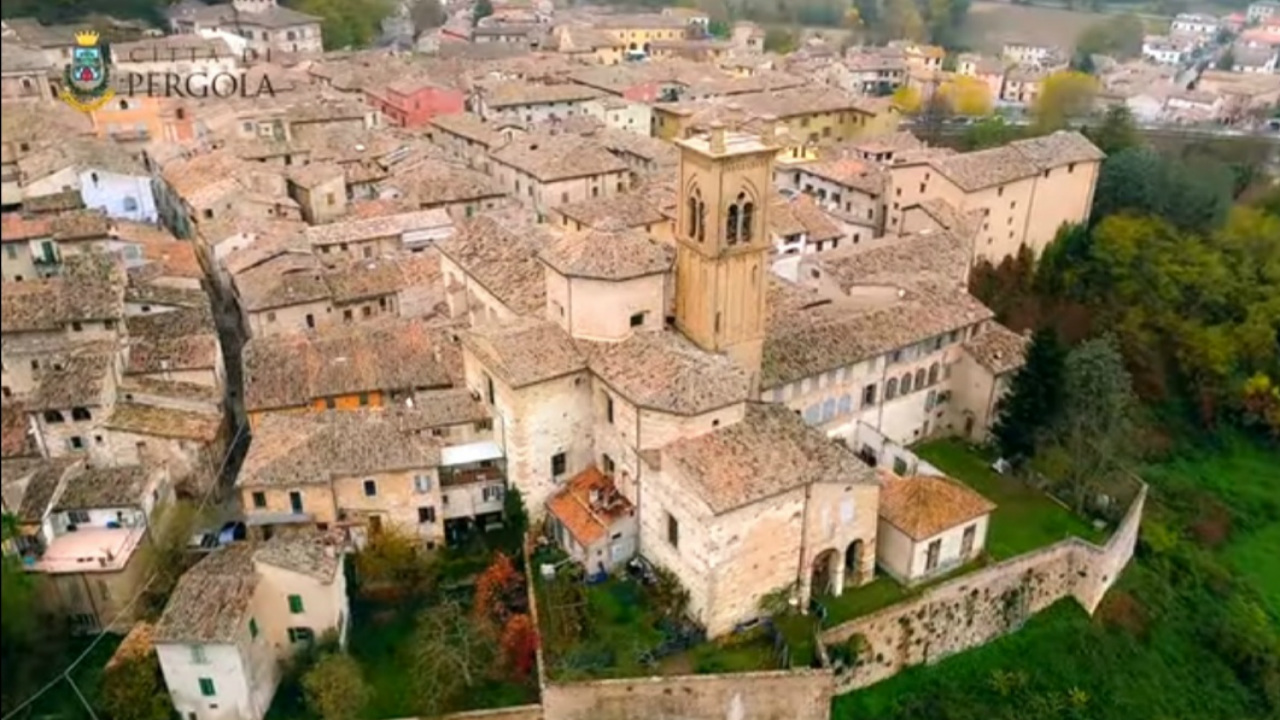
{"x": 769, "y": 129}
{"x": 717, "y": 138}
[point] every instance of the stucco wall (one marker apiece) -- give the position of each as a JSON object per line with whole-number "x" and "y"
{"x": 796, "y": 695}
{"x": 977, "y": 608}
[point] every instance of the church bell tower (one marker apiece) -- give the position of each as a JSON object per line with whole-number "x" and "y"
{"x": 723, "y": 247}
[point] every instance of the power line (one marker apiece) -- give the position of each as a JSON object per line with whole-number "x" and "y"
{"x": 155, "y": 573}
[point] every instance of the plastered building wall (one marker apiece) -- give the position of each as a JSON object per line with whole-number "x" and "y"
{"x": 795, "y": 695}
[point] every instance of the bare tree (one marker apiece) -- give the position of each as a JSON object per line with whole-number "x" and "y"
{"x": 450, "y": 655}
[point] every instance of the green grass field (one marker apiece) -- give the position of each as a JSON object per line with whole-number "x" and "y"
{"x": 1025, "y": 518}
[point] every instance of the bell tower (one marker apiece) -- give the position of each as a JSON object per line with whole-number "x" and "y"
{"x": 723, "y": 243}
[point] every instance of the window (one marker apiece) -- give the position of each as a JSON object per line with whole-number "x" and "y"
{"x": 557, "y": 464}
{"x": 637, "y": 319}
{"x": 608, "y": 409}
{"x": 295, "y": 604}
{"x": 891, "y": 389}
{"x": 198, "y": 656}
{"x": 673, "y": 530}
{"x": 905, "y": 386}
{"x": 364, "y": 398}
{"x": 52, "y": 416}
{"x": 271, "y": 317}
{"x": 206, "y": 687}
{"x": 80, "y": 413}
{"x": 301, "y": 635}
{"x": 1000, "y": 191}
{"x": 421, "y": 483}
{"x": 347, "y": 315}
{"x": 483, "y": 425}
{"x": 1071, "y": 167}
{"x": 253, "y": 628}
{"x": 492, "y": 493}
{"x": 607, "y": 462}
{"x": 931, "y": 556}
{"x": 295, "y": 501}
{"x": 76, "y": 442}
{"x": 697, "y": 212}
{"x": 259, "y": 499}
{"x": 77, "y": 517}
{"x": 488, "y": 389}
{"x": 920, "y": 378}
{"x": 426, "y": 514}
{"x": 130, "y": 203}
{"x": 370, "y": 488}
{"x": 933, "y": 374}
{"x": 738, "y": 220}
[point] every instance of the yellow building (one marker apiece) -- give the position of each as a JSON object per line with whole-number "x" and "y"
{"x": 641, "y": 30}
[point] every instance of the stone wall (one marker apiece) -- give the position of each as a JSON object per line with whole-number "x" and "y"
{"x": 779, "y": 695}
{"x": 974, "y": 609}
{"x": 524, "y": 712}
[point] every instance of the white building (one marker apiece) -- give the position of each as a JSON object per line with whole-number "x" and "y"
{"x": 240, "y": 611}
{"x": 1263, "y": 10}
{"x": 1205, "y": 26}
{"x": 1162, "y": 50}
{"x": 1029, "y": 54}
{"x": 928, "y": 526}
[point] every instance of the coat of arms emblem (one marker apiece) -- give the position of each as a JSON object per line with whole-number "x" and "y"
{"x": 87, "y": 79}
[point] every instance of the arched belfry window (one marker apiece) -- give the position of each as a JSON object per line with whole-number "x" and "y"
{"x": 697, "y": 212}
{"x": 702, "y": 220}
{"x": 738, "y": 220}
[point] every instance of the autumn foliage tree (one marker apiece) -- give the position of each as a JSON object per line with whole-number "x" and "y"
{"x": 499, "y": 592}
{"x": 967, "y": 96}
{"x": 519, "y": 645}
{"x": 1065, "y": 95}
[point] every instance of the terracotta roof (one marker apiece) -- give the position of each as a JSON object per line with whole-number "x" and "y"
{"x": 385, "y": 226}
{"x": 80, "y": 380}
{"x": 15, "y": 441}
{"x": 441, "y": 408}
{"x": 435, "y": 182}
{"x": 964, "y": 226}
{"x": 664, "y": 371}
{"x": 558, "y": 157}
{"x": 503, "y": 258}
{"x": 610, "y": 252}
{"x": 769, "y": 452}
{"x": 862, "y": 175}
{"x": 1019, "y": 159}
{"x": 810, "y": 333}
{"x": 469, "y": 126}
{"x": 525, "y": 352}
{"x": 16, "y": 227}
{"x": 305, "y": 449}
{"x": 164, "y": 422}
{"x": 210, "y": 603}
{"x": 31, "y": 483}
{"x": 631, "y": 209}
{"x": 815, "y": 221}
{"x": 91, "y": 287}
{"x": 137, "y": 644}
{"x": 291, "y": 370}
{"x": 511, "y": 93}
{"x": 934, "y": 257}
{"x": 923, "y": 506}
{"x": 999, "y": 349}
{"x": 104, "y": 488}
{"x": 312, "y": 554}
{"x": 589, "y": 521}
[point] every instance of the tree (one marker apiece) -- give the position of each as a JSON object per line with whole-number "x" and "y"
{"x": 19, "y": 625}
{"x": 499, "y": 591}
{"x": 133, "y": 689}
{"x": 967, "y": 96}
{"x": 902, "y": 20}
{"x": 482, "y": 10}
{"x": 520, "y": 645}
{"x": 1095, "y": 432}
{"x": 1119, "y": 36}
{"x": 1065, "y": 95}
{"x": 1227, "y": 60}
{"x": 779, "y": 40}
{"x": 1191, "y": 196}
{"x": 170, "y": 556}
{"x": 348, "y": 23}
{"x": 450, "y": 656}
{"x": 989, "y": 133}
{"x": 1261, "y": 398}
{"x": 427, "y": 14}
{"x": 334, "y": 688}
{"x": 1034, "y": 400}
{"x": 907, "y": 99}
{"x": 1116, "y": 132}
{"x": 394, "y": 562}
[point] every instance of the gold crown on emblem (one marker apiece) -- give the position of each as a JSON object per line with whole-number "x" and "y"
{"x": 87, "y": 38}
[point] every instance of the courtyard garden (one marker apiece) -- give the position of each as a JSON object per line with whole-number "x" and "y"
{"x": 636, "y": 625}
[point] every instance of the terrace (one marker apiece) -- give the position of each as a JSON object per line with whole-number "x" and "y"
{"x": 89, "y": 549}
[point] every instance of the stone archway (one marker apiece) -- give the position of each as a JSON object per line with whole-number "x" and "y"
{"x": 853, "y": 564}
{"x": 825, "y": 574}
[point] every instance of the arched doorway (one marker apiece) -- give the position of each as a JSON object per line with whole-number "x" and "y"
{"x": 853, "y": 564}
{"x": 824, "y": 573}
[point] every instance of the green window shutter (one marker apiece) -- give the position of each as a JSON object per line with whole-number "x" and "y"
{"x": 253, "y": 628}
{"x": 206, "y": 687}
{"x": 295, "y": 604}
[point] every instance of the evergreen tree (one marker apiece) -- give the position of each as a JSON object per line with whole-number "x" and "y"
{"x": 1034, "y": 400}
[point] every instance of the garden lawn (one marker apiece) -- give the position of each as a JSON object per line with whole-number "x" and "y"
{"x": 61, "y": 702}
{"x": 856, "y": 602}
{"x": 1025, "y": 519}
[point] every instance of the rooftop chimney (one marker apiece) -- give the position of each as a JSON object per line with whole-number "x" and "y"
{"x": 717, "y": 138}
{"x": 769, "y": 129}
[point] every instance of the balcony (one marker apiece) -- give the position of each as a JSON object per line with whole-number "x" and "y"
{"x": 135, "y": 135}
{"x": 89, "y": 549}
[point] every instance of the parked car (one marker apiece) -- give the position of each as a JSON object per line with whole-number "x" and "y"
{"x": 214, "y": 538}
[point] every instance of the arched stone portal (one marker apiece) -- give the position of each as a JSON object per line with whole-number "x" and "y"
{"x": 826, "y": 575}
{"x": 853, "y": 564}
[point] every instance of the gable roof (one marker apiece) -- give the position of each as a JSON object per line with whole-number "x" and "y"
{"x": 925, "y": 505}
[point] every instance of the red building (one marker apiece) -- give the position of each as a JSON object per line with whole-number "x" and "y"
{"x": 412, "y": 103}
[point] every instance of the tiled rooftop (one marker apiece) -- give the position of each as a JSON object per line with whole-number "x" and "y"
{"x": 770, "y": 451}
{"x": 999, "y": 349}
{"x": 292, "y": 370}
{"x": 503, "y": 258}
{"x": 924, "y": 506}
{"x": 610, "y": 252}
{"x": 525, "y": 352}
{"x": 211, "y": 601}
{"x": 586, "y": 520}
{"x": 664, "y": 371}
{"x": 79, "y": 380}
{"x": 558, "y": 157}
{"x": 104, "y": 488}
{"x": 165, "y": 422}
{"x": 631, "y": 209}
{"x": 512, "y": 93}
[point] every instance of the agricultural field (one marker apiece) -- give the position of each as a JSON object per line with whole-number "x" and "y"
{"x": 992, "y": 24}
